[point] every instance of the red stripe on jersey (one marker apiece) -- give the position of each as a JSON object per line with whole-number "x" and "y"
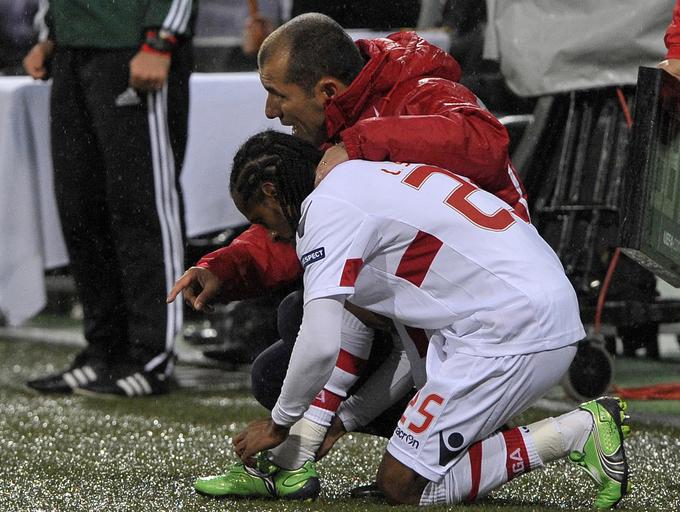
{"x": 521, "y": 212}
{"x": 327, "y": 400}
{"x": 351, "y": 271}
{"x": 516, "y": 455}
{"x": 419, "y": 338}
{"x": 475, "y": 454}
{"x": 418, "y": 257}
{"x": 350, "y": 363}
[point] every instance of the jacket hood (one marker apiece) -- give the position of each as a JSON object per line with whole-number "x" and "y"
{"x": 391, "y": 61}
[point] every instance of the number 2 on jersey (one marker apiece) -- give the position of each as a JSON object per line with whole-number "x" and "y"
{"x": 500, "y": 220}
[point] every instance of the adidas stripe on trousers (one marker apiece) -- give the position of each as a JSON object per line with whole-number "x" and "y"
{"x": 116, "y": 181}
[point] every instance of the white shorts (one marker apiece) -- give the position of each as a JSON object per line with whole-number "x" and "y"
{"x": 466, "y": 399}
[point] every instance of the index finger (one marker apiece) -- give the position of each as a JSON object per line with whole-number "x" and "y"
{"x": 180, "y": 285}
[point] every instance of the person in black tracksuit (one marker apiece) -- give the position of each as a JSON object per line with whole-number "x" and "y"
{"x": 119, "y": 110}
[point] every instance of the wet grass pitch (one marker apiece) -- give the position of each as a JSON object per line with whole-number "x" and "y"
{"x": 72, "y": 453}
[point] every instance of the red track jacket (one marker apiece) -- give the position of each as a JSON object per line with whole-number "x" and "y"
{"x": 405, "y": 106}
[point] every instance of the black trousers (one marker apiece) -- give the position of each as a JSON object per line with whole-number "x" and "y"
{"x": 116, "y": 178}
{"x": 269, "y": 368}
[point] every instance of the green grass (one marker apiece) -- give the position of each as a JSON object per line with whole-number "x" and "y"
{"x": 79, "y": 454}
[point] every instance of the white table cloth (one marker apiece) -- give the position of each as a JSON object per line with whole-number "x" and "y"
{"x": 226, "y": 108}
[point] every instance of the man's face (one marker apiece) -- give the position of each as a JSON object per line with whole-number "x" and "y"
{"x": 267, "y": 212}
{"x": 291, "y": 103}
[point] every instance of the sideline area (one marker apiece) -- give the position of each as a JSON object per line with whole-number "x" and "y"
{"x": 196, "y": 372}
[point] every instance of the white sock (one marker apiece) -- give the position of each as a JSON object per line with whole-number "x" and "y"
{"x": 575, "y": 427}
{"x": 555, "y": 438}
{"x": 304, "y": 439}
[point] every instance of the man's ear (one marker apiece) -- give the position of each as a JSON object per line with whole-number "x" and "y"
{"x": 268, "y": 189}
{"x": 327, "y": 87}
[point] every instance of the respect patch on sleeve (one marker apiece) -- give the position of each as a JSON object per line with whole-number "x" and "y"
{"x": 312, "y": 256}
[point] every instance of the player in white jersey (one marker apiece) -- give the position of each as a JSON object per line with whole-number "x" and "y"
{"x": 467, "y": 283}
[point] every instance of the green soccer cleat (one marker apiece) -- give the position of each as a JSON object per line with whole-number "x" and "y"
{"x": 240, "y": 480}
{"x": 266, "y": 480}
{"x": 603, "y": 456}
{"x": 298, "y": 484}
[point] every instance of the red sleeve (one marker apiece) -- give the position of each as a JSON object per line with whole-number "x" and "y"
{"x": 440, "y": 123}
{"x": 252, "y": 264}
{"x": 672, "y": 38}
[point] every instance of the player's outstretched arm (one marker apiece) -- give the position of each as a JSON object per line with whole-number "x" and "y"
{"x": 199, "y": 287}
{"x": 311, "y": 364}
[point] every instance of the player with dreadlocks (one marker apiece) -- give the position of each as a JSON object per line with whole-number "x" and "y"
{"x": 500, "y": 320}
{"x": 271, "y": 176}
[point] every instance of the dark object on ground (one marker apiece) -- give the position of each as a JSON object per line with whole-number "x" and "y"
{"x": 592, "y": 371}
{"x": 367, "y": 491}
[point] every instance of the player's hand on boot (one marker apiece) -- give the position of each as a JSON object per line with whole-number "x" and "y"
{"x": 334, "y": 432}
{"x": 259, "y": 435}
{"x": 199, "y": 285}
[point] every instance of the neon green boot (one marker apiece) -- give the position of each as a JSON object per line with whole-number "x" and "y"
{"x": 266, "y": 480}
{"x": 603, "y": 456}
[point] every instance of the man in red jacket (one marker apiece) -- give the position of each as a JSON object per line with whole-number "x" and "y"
{"x": 394, "y": 99}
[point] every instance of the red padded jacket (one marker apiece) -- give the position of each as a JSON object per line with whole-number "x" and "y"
{"x": 405, "y": 106}
{"x": 672, "y": 38}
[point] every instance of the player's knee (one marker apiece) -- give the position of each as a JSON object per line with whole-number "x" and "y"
{"x": 267, "y": 373}
{"x": 399, "y": 484}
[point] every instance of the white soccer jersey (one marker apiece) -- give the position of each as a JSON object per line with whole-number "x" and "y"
{"x": 432, "y": 251}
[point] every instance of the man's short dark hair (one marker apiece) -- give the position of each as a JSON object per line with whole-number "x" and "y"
{"x": 317, "y": 46}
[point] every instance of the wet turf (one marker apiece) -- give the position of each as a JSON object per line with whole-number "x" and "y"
{"x": 79, "y": 454}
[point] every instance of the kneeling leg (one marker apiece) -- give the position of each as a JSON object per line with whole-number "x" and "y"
{"x": 399, "y": 483}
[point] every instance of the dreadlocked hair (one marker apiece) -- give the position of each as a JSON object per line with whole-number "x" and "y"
{"x": 283, "y": 159}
